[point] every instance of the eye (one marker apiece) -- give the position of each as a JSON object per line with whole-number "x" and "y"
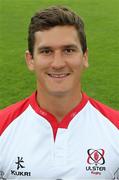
{"x": 69, "y": 50}
{"x": 46, "y": 51}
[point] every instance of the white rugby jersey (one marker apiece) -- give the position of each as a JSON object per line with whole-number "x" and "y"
{"x": 84, "y": 145}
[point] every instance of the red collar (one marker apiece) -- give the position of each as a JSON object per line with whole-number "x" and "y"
{"x": 51, "y": 119}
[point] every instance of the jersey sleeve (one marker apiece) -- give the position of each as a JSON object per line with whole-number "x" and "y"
{"x": 10, "y": 113}
{"x": 111, "y": 114}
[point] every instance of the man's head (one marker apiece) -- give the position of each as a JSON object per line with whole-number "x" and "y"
{"x": 57, "y": 51}
{"x": 55, "y": 16}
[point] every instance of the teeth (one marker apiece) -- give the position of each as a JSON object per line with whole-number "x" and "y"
{"x": 58, "y": 75}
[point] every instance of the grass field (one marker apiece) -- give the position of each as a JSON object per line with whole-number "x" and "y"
{"x": 101, "y": 81}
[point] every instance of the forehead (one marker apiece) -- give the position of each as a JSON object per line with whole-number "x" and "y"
{"x": 56, "y": 36}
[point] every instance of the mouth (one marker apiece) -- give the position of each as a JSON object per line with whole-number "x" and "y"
{"x": 58, "y": 75}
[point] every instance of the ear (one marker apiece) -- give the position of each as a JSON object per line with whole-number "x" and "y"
{"x": 29, "y": 60}
{"x": 85, "y": 59}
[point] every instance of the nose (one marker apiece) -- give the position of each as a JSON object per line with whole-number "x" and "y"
{"x": 58, "y": 61}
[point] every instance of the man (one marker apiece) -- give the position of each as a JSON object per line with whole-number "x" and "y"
{"x": 58, "y": 132}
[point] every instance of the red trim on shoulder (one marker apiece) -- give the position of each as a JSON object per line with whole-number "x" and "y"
{"x": 108, "y": 112}
{"x": 51, "y": 119}
{"x": 10, "y": 113}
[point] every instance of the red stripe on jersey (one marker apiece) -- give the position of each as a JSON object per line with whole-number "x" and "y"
{"x": 9, "y": 114}
{"x": 108, "y": 112}
{"x": 51, "y": 119}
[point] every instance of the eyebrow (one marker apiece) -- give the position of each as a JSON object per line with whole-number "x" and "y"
{"x": 43, "y": 47}
{"x": 71, "y": 46}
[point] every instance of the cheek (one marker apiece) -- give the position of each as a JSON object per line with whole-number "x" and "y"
{"x": 76, "y": 63}
{"x": 41, "y": 63}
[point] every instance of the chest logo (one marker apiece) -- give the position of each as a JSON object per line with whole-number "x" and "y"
{"x": 95, "y": 161}
{"x": 20, "y": 163}
{"x": 96, "y": 156}
{"x": 20, "y": 168}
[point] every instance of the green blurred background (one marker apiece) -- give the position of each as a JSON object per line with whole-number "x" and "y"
{"x": 100, "y": 81}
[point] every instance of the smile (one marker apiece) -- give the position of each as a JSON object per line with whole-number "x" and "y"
{"x": 63, "y": 75}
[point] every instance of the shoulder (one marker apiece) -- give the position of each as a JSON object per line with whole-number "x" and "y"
{"x": 109, "y": 113}
{"x": 10, "y": 113}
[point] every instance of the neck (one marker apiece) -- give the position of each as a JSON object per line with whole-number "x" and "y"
{"x": 59, "y": 106}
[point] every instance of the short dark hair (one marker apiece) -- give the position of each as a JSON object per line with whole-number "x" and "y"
{"x": 55, "y": 16}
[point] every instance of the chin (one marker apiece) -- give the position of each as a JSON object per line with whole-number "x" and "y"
{"x": 58, "y": 93}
